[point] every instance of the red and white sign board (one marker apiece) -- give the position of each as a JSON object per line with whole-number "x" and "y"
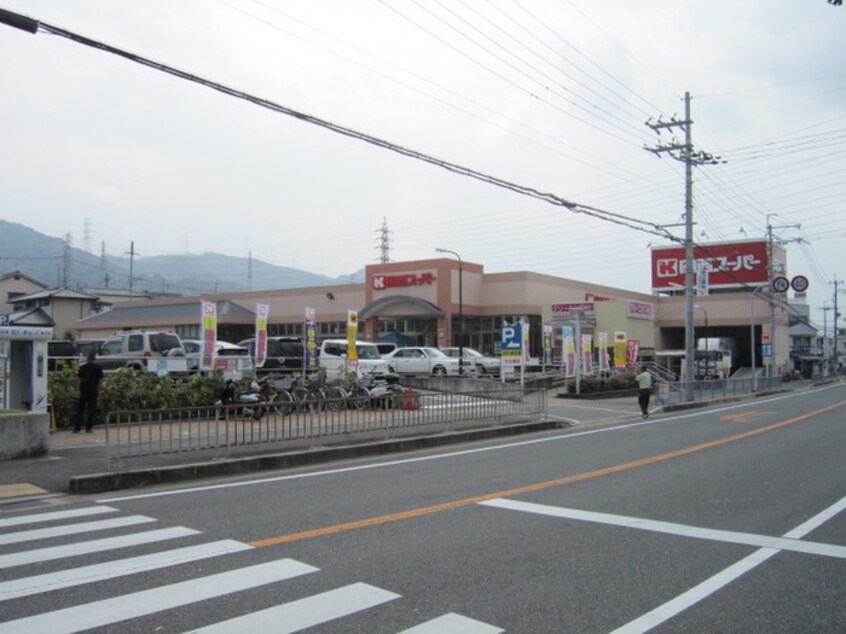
{"x": 729, "y": 264}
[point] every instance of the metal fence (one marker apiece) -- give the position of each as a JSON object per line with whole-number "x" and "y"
{"x": 674, "y": 392}
{"x": 221, "y": 429}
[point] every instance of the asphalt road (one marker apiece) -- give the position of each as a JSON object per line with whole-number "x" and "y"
{"x": 729, "y": 519}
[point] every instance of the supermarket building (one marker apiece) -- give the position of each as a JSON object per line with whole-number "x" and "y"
{"x": 422, "y": 302}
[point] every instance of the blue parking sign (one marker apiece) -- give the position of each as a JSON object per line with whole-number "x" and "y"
{"x": 512, "y": 337}
{"x": 766, "y": 349}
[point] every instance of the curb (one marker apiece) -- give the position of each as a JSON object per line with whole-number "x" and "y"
{"x": 139, "y": 478}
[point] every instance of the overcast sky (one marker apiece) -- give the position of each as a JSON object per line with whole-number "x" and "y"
{"x": 552, "y": 95}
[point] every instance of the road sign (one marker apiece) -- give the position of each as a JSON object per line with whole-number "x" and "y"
{"x": 512, "y": 344}
{"x": 766, "y": 337}
{"x": 766, "y": 349}
{"x": 781, "y": 284}
{"x": 799, "y": 283}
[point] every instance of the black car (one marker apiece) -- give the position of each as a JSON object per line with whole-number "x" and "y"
{"x": 283, "y": 353}
{"x": 60, "y": 352}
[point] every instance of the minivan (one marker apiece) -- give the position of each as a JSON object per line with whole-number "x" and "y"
{"x": 333, "y": 357}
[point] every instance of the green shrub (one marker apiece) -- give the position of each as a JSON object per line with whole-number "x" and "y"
{"x": 129, "y": 390}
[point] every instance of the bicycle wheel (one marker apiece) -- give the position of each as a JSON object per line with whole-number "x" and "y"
{"x": 283, "y": 403}
{"x": 336, "y": 399}
{"x": 360, "y": 397}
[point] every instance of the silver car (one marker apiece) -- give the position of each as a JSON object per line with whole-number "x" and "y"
{"x": 484, "y": 365}
{"x": 425, "y": 361}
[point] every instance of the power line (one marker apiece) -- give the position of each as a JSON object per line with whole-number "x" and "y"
{"x": 33, "y": 26}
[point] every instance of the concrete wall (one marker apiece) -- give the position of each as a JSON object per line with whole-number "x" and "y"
{"x": 24, "y": 435}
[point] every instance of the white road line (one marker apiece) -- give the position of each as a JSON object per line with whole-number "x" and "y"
{"x": 451, "y": 454}
{"x": 670, "y": 528}
{"x": 73, "y": 529}
{"x": 453, "y": 624}
{"x": 93, "y": 546}
{"x": 16, "y": 588}
{"x": 129, "y": 606}
{"x": 55, "y": 515}
{"x": 708, "y": 587}
{"x": 304, "y": 613}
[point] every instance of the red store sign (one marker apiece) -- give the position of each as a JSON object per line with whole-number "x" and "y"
{"x": 729, "y": 265}
{"x": 382, "y": 282}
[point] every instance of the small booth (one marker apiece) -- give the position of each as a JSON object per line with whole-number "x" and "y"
{"x": 24, "y": 422}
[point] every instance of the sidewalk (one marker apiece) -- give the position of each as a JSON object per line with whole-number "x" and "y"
{"x": 77, "y": 463}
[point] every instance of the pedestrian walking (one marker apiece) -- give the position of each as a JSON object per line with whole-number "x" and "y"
{"x": 644, "y": 384}
{"x": 89, "y": 382}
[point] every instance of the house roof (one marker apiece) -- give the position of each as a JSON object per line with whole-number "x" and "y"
{"x": 55, "y": 293}
{"x": 31, "y": 317}
{"x": 15, "y": 275}
{"x": 801, "y": 329}
{"x": 136, "y": 311}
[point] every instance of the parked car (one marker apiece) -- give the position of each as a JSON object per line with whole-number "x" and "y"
{"x": 333, "y": 357}
{"x": 425, "y": 361}
{"x": 60, "y": 352}
{"x": 231, "y": 359}
{"x": 84, "y": 346}
{"x": 484, "y": 365}
{"x": 142, "y": 350}
{"x": 386, "y": 348}
{"x": 285, "y": 354}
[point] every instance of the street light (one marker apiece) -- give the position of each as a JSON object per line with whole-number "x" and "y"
{"x": 460, "y": 308}
{"x": 707, "y": 358}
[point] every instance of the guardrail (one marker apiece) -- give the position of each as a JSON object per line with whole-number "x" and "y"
{"x": 220, "y": 429}
{"x": 718, "y": 389}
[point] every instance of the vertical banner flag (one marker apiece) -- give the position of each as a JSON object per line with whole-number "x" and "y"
{"x": 547, "y": 344}
{"x": 569, "y": 351}
{"x": 209, "y": 338}
{"x": 634, "y": 350}
{"x": 526, "y": 354}
{"x": 603, "y": 352}
{"x": 262, "y": 311}
{"x": 352, "y": 336}
{"x": 587, "y": 354}
{"x": 311, "y": 360}
{"x": 620, "y": 349}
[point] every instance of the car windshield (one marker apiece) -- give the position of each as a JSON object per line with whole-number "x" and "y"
{"x": 368, "y": 352}
{"x": 433, "y": 352}
{"x": 469, "y": 352}
{"x": 164, "y": 342}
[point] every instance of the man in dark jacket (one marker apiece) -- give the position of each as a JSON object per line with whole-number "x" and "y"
{"x": 90, "y": 377}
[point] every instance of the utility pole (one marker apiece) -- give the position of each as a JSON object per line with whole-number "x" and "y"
{"x": 826, "y": 361}
{"x": 249, "y": 270}
{"x": 66, "y": 261}
{"x": 131, "y": 253}
{"x": 771, "y": 272}
{"x": 684, "y": 152}
{"x": 836, "y": 315}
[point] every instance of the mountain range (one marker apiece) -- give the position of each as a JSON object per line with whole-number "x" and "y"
{"x": 53, "y": 262}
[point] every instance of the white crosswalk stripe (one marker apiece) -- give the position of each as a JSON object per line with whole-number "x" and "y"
{"x": 55, "y": 515}
{"x": 292, "y": 616}
{"x": 136, "y": 604}
{"x": 98, "y": 572}
{"x": 453, "y": 624}
{"x": 62, "y": 531}
{"x": 93, "y": 546}
{"x": 308, "y": 612}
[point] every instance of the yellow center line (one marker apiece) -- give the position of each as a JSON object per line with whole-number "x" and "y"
{"x": 437, "y": 508}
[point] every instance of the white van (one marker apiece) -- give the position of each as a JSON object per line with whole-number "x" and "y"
{"x": 333, "y": 357}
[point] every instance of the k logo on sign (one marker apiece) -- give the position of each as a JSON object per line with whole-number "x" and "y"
{"x": 668, "y": 268}
{"x": 379, "y": 282}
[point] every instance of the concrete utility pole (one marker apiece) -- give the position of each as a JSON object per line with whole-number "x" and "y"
{"x": 131, "y": 253}
{"x": 836, "y": 315}
{"x": 771, "y": 273}
{"x": 684, "y": 152}
{"x": 826, "y": 360}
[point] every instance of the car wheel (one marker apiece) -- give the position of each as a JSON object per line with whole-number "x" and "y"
{"x": 439, "y": 370}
